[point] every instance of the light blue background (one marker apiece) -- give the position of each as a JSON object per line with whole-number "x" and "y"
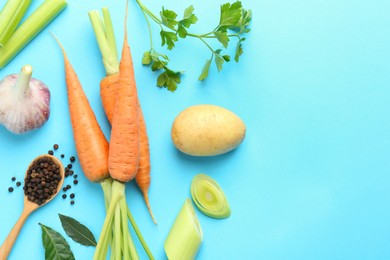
{"x": 310, "y": 181}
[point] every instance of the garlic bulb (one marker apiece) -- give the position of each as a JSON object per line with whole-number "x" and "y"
{"x": 24, "y": 102}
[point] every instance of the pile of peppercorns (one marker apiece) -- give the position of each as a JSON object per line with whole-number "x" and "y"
{"x": 69, "y": 173}
{"x": 42, "y": 179}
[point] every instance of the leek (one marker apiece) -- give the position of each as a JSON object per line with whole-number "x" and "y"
{"x": 186, "y": 236}
{"x": 10, "y": 17}
{"x": 30, "y": 28}
{"x": 209, "y": 197}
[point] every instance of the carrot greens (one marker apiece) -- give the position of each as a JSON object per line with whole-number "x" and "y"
{"x": 233, "y": 24}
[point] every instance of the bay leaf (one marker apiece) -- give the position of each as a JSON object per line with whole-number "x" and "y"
{"x": 77, "y": 231}
{"x": 55, "y": 245}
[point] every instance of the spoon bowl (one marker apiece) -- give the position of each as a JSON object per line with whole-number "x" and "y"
{"x": 30, "y": 206}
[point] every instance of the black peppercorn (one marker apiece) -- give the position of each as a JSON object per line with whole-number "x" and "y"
{"x": 50, "y": 152}
{"x": 72, "y": 196}
{"x": 18, "y": 183}
{"x": 55, "y": 146}
{"x": 75, "y": 182}
{"x": 72, "y": 202}
{"x": 62, "y": 155}
{"x": 42, "y": 179}
{"x": 10, "y": 189}
{"x": 72, "y": 159}
{"x": 13, "y": 179}
{"x": 69, "y": 166}
{"x": 64, "y": 196}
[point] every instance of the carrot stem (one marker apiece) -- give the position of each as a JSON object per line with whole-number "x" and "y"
{"x": 139, "y": 234}
{"x": 118, "y": 191}
{"x": 104, "y": 33}
{"x": 106, "y": 186}
{"x": 117, "y": 233}
{"x": 128, "y": 244}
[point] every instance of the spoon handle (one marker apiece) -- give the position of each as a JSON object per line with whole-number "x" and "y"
{"x": 13, "y": 234}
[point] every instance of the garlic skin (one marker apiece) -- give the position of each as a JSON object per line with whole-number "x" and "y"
{"x": 24, "y": 102}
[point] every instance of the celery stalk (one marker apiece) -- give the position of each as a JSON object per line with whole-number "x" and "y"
{"x": 10, "y": 17}
{"x": 186, "y": 236}
{"x": 30, "y": 28}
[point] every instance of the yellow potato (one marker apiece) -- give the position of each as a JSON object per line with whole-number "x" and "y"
{"x": 207, "y": 130}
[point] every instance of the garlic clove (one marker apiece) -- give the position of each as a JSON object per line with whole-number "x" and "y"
{"x": 24, "y": 102}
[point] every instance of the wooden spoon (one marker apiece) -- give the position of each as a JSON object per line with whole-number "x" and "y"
{"x": 28, "y": 208}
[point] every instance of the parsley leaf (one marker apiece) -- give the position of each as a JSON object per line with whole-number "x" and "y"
{"x": 222, "y": 37}
{"x": 168, "y": 38}
{"x": 168, "y": 18}
{"x": 146, "y": 58}
{"x": 234, "y": 22}
{"x": 226, "y": 58}
{"x": 230, "y": 14}
{"x": 219, "y": 60}
{"x": 244, "y": 22}
{"x": 168, "y": 79}
{"x": 239, "y": 50}
{"x": 189, "y": 18}
{"x": 158, "y": 65}
{"x": 205, "y": 71}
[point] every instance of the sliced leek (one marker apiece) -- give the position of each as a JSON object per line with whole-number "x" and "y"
{"x": 186, "y": 236}
{"x": 209, "y": 197}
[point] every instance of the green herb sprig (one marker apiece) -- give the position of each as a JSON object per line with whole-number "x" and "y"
{"x": 233, "y": 24}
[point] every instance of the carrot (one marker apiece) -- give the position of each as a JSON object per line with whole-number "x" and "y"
{"x": 143, "y": 175}
{"x": 123, "y": 162}
{"x": 108, "y": 87}
{"x": 109, "y": 84}
{"x": 124, "y": 150}
{"x": 91, "y": 144}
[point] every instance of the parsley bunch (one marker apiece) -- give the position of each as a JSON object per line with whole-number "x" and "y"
{"x": 233, "y": 23}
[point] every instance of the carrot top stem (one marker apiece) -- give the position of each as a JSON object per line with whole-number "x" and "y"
{"x": 104, "y": 32}
{"x": 106, "y": 187}
{"x": 139, "y": 235}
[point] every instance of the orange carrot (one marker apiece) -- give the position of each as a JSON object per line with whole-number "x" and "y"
{"x": 107, "y": 93}
{"x": 108, "y": 87}
{"x": 91, "y": 144}
{"x": 104, "y": 33}
{"x": 143, "y": 175}
{"x": 124, "y": 150}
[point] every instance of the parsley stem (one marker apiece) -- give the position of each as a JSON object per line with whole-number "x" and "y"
{"x": 149, "y": 27}
{"x": 200, "y": 38}
{"x": 145, "y": 10}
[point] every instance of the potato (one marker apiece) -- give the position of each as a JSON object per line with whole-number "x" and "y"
{"x": 207, "y": 130}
